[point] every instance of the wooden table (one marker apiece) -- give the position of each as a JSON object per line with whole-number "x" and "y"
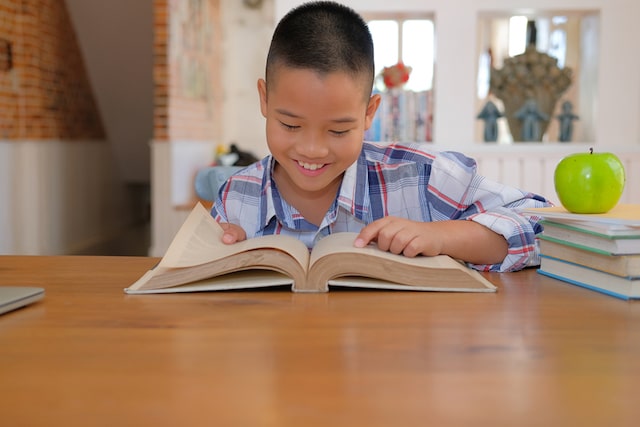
{"x": 537, "y": 353}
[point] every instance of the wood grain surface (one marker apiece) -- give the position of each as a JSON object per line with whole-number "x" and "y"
{"x": 536, "y": 353}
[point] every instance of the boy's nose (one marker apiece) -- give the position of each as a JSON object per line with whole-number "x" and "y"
{"x": 313, "y": 145}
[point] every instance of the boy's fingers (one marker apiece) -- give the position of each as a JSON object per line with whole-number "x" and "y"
{"x": 368, "y": 234}
{"x": 232, "y": 233}
{"x": 229, "y": 238}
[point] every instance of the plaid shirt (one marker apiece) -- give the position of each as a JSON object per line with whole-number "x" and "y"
{"x": 405, "y": 180}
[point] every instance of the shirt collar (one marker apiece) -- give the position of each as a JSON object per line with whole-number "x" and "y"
{"x": 268, "y": 207}
{"x": 277, "y": 212}
{"x": 352, "y": 196}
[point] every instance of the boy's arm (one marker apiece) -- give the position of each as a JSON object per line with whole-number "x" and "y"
{"x": 520, "y": 232}
{"x": 455, "y": 192}
{"x": 460, "y": 239}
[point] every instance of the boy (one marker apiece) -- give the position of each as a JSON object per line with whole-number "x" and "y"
{"x": 321, "y": 178}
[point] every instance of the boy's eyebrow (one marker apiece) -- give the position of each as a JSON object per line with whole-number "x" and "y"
{"x": 287, "y": 113}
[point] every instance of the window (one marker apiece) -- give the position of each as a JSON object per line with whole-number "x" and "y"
{"x": 408, "y": 40}
{"x": 567, "y": 37}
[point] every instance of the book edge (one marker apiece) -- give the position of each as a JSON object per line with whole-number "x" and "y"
{"x": 618, "y": 265}
{"x": 367, "y": 283}
{"x": 586, "y": 267}
{"x": 555, "y": 212}
{"x": 578, "y": 229}
{"x": 585, "y": 285}
{"x": 372, "y": 253}
{"x": 248, "y": 279}
{"x": 585, "y": 247}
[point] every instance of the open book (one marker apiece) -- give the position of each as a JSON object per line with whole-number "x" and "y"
{"x": 197, "y": 260}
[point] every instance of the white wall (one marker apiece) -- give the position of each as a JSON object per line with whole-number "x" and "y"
{"x": 6, "y": 201}
{"x": 116, "y": 41}
{"x": 246, "y": 38}
{"x": 166, "y": 217}
{"x": 526, "y": 166}
{"x": 246, "y": 34}
{"x": 57, "y": 197}
{"x": 456, "y": 57}
{"x": 529, "y": 166}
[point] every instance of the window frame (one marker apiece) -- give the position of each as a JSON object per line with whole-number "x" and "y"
{"x": 400, "y": 18}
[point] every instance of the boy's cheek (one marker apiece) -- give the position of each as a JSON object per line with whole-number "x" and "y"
{"x": 276, "y": 135}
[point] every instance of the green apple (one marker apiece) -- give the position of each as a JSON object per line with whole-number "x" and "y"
{"x": 589, "y": 183}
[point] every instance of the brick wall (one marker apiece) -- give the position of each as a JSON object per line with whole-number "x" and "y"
{"x": 188, "y": 91}
{"x": 160, "y": 71}
{"x": 46, "y": 94}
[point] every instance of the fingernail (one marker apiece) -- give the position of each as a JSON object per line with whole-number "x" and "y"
{"x": 359, "y": 243}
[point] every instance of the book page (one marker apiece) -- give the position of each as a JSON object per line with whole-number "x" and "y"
{"x": 239, "y": 280}
{"x": 199, "y": 241}
{"x": 334, "y": 260}
{"x": 343, "y": 243}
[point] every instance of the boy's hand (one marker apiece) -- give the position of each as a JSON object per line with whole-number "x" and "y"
{"x": 402, "y": 236}
{"x": 232, "y": 233}
{"x": 460, "y": 239}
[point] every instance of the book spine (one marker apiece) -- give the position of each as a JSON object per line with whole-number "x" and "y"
{"x": 402, "y": 116}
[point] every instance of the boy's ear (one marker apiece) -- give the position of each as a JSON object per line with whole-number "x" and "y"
{"x": 372, "y": 107}
{"x": 262, "y": 92}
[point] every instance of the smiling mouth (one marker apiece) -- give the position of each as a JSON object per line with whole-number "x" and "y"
{"x": 311, "y": 166}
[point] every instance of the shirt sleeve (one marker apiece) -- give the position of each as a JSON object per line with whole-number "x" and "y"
{"x": 217, "y": 211}
{"x": 242, "y": 198}
{"x": 459, "y": 192}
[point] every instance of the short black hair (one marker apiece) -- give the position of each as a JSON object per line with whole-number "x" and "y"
{"x": 325, "y": 37}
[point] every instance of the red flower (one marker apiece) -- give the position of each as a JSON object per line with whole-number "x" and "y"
{"x": 396, "y": 75}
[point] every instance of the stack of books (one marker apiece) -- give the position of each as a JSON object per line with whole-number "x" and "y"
{"x": 600, "y": 252}
{"x": 404, "y": 116}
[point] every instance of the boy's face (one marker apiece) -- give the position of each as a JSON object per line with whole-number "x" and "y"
{"x": 315, "y": 126}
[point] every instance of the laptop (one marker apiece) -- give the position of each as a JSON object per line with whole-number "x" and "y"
{"x": 13, "y": 297}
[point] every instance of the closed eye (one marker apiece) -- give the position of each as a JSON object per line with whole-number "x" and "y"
{"x": 289, "y": 127}
{"x": 339, "y": 132}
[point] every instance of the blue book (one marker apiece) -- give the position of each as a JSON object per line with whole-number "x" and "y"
{"x": 589, "y": 278}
